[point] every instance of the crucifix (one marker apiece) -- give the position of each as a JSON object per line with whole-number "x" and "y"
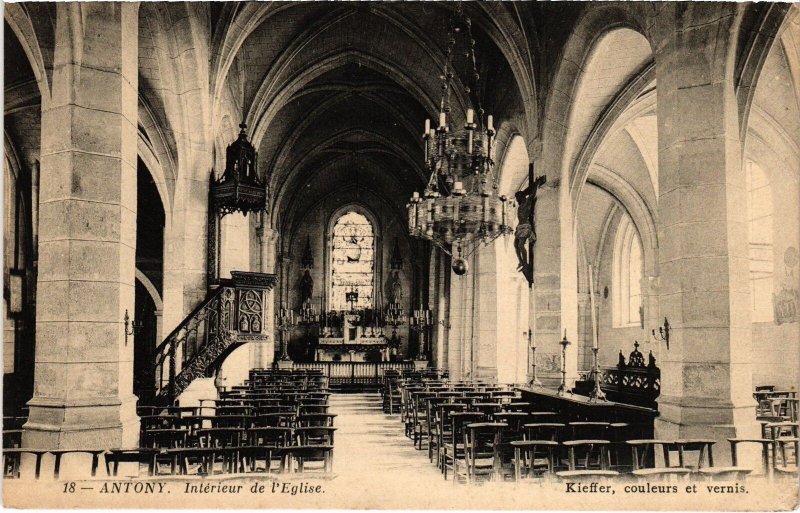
{"x": 525, "y": 235}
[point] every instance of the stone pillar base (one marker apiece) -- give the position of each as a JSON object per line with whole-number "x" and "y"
{"x": 694, "y": 419}
{"x": 103, "y": 423}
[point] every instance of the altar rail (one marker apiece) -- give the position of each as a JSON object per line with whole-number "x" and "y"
{"x": 355, "y": 373}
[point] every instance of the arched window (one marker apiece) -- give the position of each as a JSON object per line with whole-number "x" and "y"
{"x": 760, "y": 246}
{"x": 627, "y": 275}
{"x": 352, "y": 261}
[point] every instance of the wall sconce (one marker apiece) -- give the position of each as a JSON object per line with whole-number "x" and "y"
{"x": 135, "y": 326}
{"x": 663, "y": 333}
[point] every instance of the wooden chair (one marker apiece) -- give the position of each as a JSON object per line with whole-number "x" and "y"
{"x": 166, "y": 438}
{"x": 703, "y": 448}
{"x": 420, "y": 418}
{"x": 528, "y": 458}
{"x": 482, "y": 451}
{"x": 220, "y": 437}
{"x": 12, "y": 459}
{"x": 298, "y": 455}
{"x": 194, "y": 460}
{"x": 516, "y": 421}
{"x": 585, "y": 448}
{"x": 544, "y": 431}
{"x": 487, "y": 408}
{"x": 582, "y": 444}
{"x": 59, "y": 454}
{"x": 146, "y": 456}
{"x": 766, "y": 448}
{"x": 735, "y": 471}
{"x": 453, "y": 441}
{"x": 317, "y": 435}
{"x": 439, "y": 428}
{"x": 643, "y": 466}
{"x": 268, "y": 436}
{"x": 781, "y": 444}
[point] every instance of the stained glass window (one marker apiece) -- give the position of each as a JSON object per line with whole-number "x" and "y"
{"x": 352, "y": 261}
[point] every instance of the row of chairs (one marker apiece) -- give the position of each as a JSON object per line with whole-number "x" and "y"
{"x": 474, "y": 431}
{"x": 277, "y": 416}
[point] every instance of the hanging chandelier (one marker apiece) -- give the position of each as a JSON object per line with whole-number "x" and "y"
{"x": 460, "y": 208}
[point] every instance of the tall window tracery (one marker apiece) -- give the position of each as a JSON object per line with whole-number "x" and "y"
{"x": 352, "y": 261}
{"x": 627, "y": 275}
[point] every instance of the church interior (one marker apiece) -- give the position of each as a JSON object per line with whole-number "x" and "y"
{"x": 232, "y": 228}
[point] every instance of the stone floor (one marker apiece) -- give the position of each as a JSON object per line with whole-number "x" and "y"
{"x": 370, "y": 441}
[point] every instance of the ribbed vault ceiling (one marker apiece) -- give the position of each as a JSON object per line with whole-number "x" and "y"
{"x": 336, "y": 96}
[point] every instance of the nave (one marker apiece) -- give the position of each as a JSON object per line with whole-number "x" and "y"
{"x": 514, "y": 193}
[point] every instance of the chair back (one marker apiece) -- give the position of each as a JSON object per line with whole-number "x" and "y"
{"x": 552, "y": 431}
{"x": 515, "y": 420}
{"x": 269, "y": 436}
{"x": 589, "y": 430}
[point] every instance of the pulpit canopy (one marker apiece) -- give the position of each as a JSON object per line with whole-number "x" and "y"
{"x": 240, "y": 189}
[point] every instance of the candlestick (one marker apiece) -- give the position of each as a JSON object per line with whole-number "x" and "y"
{"x": 591, "y": 305}
{"x": 564, "y": 343}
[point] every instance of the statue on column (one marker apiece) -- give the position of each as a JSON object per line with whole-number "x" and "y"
{"x": 306, "y": 288}
{"x": 526, "y": 228}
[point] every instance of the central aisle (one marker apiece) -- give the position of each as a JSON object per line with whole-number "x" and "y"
{"x": 371, "y": 442}
{"x": 377, "y": 467}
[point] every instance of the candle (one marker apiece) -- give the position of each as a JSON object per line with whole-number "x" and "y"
{"x": 442, "y": 120}
{"x": 490, "y": 122}
{"x": 591, "y": 305}
{"x": 470, "y": 116}
{"x": 427, "y": 126}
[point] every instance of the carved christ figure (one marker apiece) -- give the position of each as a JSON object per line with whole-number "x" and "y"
{"x": 526, "y": 229}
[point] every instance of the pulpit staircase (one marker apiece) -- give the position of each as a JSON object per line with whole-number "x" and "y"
{"x": 231, "y": 314}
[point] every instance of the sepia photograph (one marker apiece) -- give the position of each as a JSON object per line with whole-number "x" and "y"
{"x": 401, "y": 255}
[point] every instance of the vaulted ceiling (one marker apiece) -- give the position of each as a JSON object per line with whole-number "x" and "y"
{"x": 335, "y": 96}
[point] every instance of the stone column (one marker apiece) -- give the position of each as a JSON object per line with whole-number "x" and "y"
{"x": 487, "y": 304}
{"x": 234, "y": 244}
{"x": 84, "y": 368}
{"x": 706, "y": 375}
{"x": 264, "y": 354}
{"x": 555, "y": 308}
{"x": 456, "y": 335}
{"x": 441, "y": 310}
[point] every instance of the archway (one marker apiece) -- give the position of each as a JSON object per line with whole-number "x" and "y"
{"x": 145, "y": 320}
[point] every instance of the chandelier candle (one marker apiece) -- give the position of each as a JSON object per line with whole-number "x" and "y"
{"x": 462, "y": 209}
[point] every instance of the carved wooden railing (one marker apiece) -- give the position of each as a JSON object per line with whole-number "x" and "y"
{"x": 230, "y": 315}
{"x": 633, "y": 382}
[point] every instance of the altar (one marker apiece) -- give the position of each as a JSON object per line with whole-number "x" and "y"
{"x": 352, "y": 343}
